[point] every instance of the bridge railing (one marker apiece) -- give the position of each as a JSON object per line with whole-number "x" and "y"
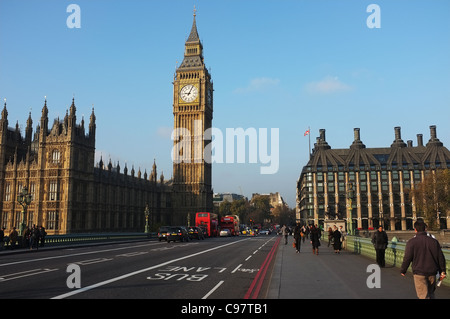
{"x": 78, "y": 239}
{"x": 57, "y": 240}
{"x": 393, "y": 255}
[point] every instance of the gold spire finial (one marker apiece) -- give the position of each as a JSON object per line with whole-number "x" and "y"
{"x": 195, "y": 10}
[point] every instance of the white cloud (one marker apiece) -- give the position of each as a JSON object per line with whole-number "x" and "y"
{"x": 258, "y": 84}
{"x": 327, "y": 86}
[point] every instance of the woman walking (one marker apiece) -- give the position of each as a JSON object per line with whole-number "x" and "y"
{"x": 298, "y": 237}
{"x": 315, "y": 236}
{"x": 337, "y": 240}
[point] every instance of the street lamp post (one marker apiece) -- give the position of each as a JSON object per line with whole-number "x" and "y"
{"x": 350, "y": 195}
{"x": 24, "y": 199}
{"x": 147, "y": 214}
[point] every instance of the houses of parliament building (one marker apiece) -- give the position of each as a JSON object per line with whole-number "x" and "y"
{"x": 70, "y": 193}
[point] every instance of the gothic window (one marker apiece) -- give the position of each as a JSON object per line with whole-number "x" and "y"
{"x": 31, "y": 219}
{"x": 8, "y": 192}
{"x": 53, "y": 193}
{"x": 53, "y": 220}
{"x": 5, "y": 220}
{"x": 33, "y": 191}
{"x": 56, "y": 157}
{"x": 18, "y": 219}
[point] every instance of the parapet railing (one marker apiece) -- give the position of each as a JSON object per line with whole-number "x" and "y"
{"x": 393, "y": 255}
{"x": 57, "y": 240}
{"x": 78, "y": 239}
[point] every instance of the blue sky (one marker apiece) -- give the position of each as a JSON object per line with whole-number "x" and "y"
{"x": 285, "y": 64}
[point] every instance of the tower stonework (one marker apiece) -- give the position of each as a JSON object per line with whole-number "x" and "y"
{"x": 193, "y": 113}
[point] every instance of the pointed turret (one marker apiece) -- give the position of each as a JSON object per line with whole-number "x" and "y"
{"x": 4, "y": 112}
{"x": 4, "y": 119}
{"x": 72, "y": 114}
{"x": 29, "y": 130}
{"x": 44, "y": 119}
{"x": 92, "y": 125}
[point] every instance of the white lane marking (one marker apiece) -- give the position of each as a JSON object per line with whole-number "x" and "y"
{"x": 236, "y": 269}
{"x": 25, "y": 274}
{"x": 72, "y": 255}
{"x": 132, "y": 254}
{"x": 214, "y": 289}
{"x": 92, "y": 261}
{"x": 99, "y": 284}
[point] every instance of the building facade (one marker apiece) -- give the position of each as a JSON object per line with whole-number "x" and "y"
{"x": 220, "y": 198}
{"x": 368, "y": 185}
{"x": 193, "y": 113}
{"x": 69, "y": 193}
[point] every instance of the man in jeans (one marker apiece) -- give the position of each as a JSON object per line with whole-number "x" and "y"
{"x": 427, "y": 259}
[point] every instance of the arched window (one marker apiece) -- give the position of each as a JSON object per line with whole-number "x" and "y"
{"x": 56, "y": 156}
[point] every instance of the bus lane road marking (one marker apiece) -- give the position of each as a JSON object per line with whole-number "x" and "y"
{"x": 185, "y": 273}
{"x": 106, "y": 282}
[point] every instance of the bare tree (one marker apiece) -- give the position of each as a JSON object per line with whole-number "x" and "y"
{"x": 432, "y": 197}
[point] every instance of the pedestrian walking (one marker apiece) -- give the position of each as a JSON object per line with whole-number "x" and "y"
{"x": 330, "y": 236}
{"x": 336, "y": 240}
{"x": 298, "y": 237}
{"x": 13, "y": 236}
{"x": 380, "y": 243}
{"x": 2, "y": 238}
{"x": 26, "y": 237}
{"x": 315, "y": 239}
{"x": 34, "y": 237}
{"x": 427, "y": 258}
{"x": 343, "y": 237}
{"x": 305, "y": 232}
{"x": 42, "y": 234}
{"x": 285, "y": 231}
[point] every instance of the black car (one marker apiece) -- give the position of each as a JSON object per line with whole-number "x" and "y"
{"x": 177, "y": 233}
{"x": 196, "y": 232}
{"x": 162, "y": 234}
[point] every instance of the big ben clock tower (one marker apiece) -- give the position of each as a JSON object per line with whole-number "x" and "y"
{"x": 193, "y": 113}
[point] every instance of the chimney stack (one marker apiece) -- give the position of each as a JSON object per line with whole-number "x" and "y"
{"x": 356, "y": 134}
{"x": 419, "y": 140}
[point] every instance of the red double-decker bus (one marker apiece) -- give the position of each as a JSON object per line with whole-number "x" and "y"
{"x": 209, "y": 222}
{"x": 230, "y": 222}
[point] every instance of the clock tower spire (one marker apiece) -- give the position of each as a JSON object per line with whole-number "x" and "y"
{"x": 193, "y": 113}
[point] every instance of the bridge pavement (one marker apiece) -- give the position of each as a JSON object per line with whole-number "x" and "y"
{"x": 336, "y": 276}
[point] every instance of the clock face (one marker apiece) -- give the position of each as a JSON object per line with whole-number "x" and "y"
{"x": 189, "y": 93}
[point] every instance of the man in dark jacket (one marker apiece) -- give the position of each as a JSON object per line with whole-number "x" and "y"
{"x": 380, "y": 242}
{"x": 427, "y": 259}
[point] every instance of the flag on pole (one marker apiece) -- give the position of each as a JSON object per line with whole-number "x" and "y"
{"x": 306, "y": 133}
